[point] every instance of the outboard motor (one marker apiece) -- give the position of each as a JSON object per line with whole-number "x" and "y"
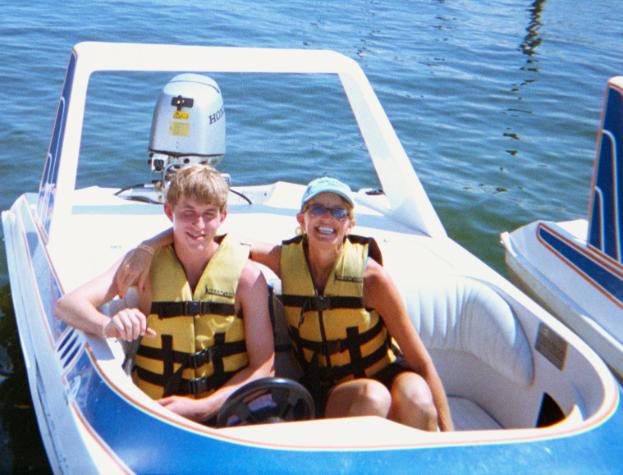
{"x": 188, "y": 125}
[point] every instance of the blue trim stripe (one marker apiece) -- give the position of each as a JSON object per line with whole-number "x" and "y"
{"x": 131, "y": 434}
{"x": 607, "y": 280}
{"x": 606, "y": 212}
{"x": 47, "y": 187}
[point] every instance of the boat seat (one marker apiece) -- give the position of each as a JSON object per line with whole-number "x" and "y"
{"x": 285, "y": 362}
{"x": 467, "y": 415}
{"x": 464, "y": 315}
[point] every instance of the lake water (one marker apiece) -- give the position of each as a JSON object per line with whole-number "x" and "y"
{"x": 497, "y": 103}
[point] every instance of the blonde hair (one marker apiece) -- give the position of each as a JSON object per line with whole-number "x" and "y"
{"x": 199, "y": 182}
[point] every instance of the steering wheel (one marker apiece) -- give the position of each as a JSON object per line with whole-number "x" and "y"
{"x": 267, "y": 400}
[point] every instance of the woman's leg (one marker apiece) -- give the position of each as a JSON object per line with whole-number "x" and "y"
{"x": 412, "y": 402}
{"x": 359, "y": 397}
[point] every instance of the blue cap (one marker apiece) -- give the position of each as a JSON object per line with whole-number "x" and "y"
{"x": 327, "y": 184}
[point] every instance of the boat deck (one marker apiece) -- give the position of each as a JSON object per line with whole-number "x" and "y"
{"x": 101, "y": 227}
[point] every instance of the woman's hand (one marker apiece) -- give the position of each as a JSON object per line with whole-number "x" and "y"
{"x": 134, "y": 269}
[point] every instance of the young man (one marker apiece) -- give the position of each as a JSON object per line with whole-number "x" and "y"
{"x": 196, "y": 348}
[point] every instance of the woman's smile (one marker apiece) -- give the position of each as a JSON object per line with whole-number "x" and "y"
{"x": 325, "y": 230}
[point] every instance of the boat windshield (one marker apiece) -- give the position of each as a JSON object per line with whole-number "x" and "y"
{"x": 290, "y": 127}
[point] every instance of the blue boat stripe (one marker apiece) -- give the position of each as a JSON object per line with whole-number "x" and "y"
{"x": 613, "y": 218}
{"x": 605, "y": 213}
{"x": 607, "y": 280}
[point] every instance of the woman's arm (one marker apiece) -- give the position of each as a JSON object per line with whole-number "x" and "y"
{"x": 135, "y": 265}
{"x": 267, "y": 254}
{"x": 381, "y": 293}
{"x": 137, "y": 262}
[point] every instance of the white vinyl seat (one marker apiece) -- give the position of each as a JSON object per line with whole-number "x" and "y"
{"x": 463, "y": 315}
{"x": 458, "y": 317}
{"x": 467, "y": 415}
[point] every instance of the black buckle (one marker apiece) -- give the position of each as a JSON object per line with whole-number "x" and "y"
{"x": 197, "y": 386}
{"x": 197, "y": 360}
{"x": 192, "y": 308}
{"x": 322, "y": 303}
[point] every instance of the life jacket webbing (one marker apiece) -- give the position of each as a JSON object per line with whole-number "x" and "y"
{"x": 218, "y": 364}
{"x": 327, "y": 376}
{"x": 354, "y": 350}
{"x": 330, "y": 347}
{"x": 321, "y": 302}
{"x": 178, "y": 385}
{"x": 190, "y": 308}
{"x": 174, "y": 381}
{"x": 167, "y": 355}
{"x": 185, "y": 386}
{"x": 192, "y": 360}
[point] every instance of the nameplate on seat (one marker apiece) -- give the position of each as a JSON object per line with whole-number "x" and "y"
{"x": 551, "y": 345}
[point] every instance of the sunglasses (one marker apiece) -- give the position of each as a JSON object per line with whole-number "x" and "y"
{"x": 318, "y": 210}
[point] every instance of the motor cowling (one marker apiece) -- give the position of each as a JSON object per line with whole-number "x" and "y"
{"x": 188, "y": 124}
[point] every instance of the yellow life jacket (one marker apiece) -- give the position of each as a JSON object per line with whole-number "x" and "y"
{"x": 334, "y": 337}
{"x": 200, "y": 340}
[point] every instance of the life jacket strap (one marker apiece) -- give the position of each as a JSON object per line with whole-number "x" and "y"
{"x": 184, "y": 387}
{"x": 330, "y": 347}
{"x": 191, "y": 308}
{"x": 173, "y": 382}
{"x": 319, "y": 303}
{"x": 280, "y": 347}
{"x": 192, "y": 360}
{"x": 353, "y": 342}
{"x": 355, "y": 368}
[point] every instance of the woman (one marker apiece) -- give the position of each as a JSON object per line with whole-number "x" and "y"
{"x": 344, "y": 315}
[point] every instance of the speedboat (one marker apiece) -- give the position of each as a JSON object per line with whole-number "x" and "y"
{"x": 527, "y": 395}
{"x": 575, "y": 268}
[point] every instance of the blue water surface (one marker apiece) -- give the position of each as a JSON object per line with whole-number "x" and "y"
{"x": 496, "y": 102}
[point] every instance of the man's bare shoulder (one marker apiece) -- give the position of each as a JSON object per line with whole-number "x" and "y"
{"x": 250, "y": 275}
{"x": 252, "y": 292}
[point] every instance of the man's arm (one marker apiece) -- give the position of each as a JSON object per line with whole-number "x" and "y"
{"x": 252, "y": 296}
{"x": 79, "y": 308}
{"x": 381, "y": 294}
